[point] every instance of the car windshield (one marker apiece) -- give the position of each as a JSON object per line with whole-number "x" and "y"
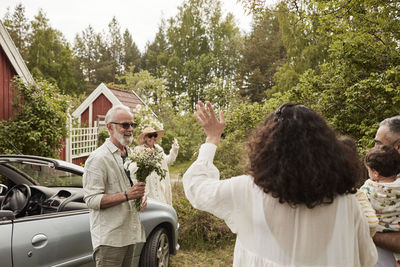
{"x": 48, "y": 176}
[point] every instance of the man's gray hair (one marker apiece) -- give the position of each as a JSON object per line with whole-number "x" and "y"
{"x": 393, "y": 123}
{"x": 111, "y": 112}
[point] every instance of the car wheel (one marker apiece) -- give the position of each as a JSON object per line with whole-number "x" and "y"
{"x": 156, "y": 249}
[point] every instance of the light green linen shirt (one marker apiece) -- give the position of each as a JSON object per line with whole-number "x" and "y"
{"x": 119, "y": 225}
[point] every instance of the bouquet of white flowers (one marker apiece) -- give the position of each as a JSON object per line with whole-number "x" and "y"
{"x": 141, "y": 163}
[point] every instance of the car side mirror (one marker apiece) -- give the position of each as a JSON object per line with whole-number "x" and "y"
{"x": 3, "y": 189}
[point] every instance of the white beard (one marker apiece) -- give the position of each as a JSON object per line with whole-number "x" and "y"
{"x": 122, "y": 139}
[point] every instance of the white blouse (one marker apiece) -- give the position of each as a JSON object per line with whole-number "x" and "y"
{"x": 274, "y": 234}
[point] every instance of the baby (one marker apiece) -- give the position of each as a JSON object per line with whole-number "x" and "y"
{"x": 383, "y": 188}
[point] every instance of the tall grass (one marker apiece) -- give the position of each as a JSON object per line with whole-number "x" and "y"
{"x": 199, "y": 230}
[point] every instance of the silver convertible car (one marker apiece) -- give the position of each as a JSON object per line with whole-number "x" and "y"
{"x": 45, "y": 222}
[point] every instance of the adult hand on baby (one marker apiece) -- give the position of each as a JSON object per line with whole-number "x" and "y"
{"x": 208, "y": 120}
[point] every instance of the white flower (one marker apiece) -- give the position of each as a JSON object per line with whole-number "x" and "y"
{"x": 133, "y": 168}
{"x": 127, "y": 163}
{"x": 138, "y": 108}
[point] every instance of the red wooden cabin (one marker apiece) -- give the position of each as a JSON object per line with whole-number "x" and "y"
{"x": 90, "y": 115}
{"x": 11, "y": 64}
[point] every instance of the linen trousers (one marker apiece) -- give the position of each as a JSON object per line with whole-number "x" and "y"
{"x": 107, "y": 256}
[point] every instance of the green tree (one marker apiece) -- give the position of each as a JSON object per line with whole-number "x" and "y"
{"x": 131, "y": 55}
{"x": 354, "y": 82}
{"x": 190, "y": 58}
{"x": 18, "y": 27}
{"x": 87, "y": 52}
{"x": 197, "y": 46}
{"x": 155, "y": 58}
{"x": 254, "y": 6}
{"x": 105, "y": 66}
{"x": 113, "y": 51}
{"x": 226, "y": 43}
{"x": 306, "y": 46}
{"x": 358, "y": 83}
{"x": 223, "y": 94}
{"x": 263, "y": 54}
{"x": 49, "y": 55}
{"x": 39, "y": 124}
{"x": 103, "y": 57}
{"x": 149, "y": 88}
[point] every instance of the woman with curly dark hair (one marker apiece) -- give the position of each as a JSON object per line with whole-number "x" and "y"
{"x": 295, "y": 206}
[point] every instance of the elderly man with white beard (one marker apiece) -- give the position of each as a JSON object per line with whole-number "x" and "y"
{"x": 388, "y": 134}
{"x": 108, "y": 191}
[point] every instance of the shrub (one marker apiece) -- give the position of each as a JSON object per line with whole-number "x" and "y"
{"x": 188, "y": 133}
{"x": 231, "y": 155}
{"x": 102, "y": 136}
{"x": 231, "y": 158}
{"x": 40, "y": 121}
{"x": 166, "y": 141}
{"x": 198, "y": 229}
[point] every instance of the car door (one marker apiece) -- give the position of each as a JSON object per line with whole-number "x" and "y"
{"x": 61, "y": 239}
{"x": 5, "y": 242}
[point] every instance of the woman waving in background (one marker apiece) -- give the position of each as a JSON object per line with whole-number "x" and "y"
{"x": 156, "y": 188}
{"x": 296, "y": 205}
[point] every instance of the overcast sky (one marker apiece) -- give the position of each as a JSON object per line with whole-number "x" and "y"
{"x": 141, "y": 18}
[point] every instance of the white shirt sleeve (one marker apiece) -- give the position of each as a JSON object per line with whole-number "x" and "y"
{"x": 94, "y": 183}
{"x": 205, "y": 190}
{"x": 173, "y": 153}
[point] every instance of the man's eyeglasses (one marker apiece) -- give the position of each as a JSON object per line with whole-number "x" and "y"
{"x": 126, "y": 125}
{"x": 151, "y": 135}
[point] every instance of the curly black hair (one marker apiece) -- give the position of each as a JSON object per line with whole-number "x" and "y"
{"x": 383, "y": 159}
{"x": 296, "y": 157}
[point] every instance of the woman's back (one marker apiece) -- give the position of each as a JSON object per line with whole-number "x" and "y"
{"x": 296, "y": 205}
{"x": 270, "y": 233}
{"x": 327, "y": 235}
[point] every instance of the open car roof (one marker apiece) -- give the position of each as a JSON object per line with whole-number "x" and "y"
{"x": 37, "y": 160}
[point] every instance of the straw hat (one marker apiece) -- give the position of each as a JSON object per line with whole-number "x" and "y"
{"x": 147, "y": 130}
